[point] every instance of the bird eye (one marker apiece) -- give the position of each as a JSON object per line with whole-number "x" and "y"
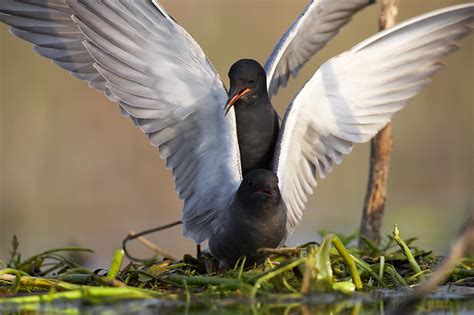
{"x": 250, "y": 183}
{"x": 251, "y": 81}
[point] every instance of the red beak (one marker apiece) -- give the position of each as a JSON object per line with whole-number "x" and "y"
{"x": 233, "y": 97}
{"x": 267, "y": 192}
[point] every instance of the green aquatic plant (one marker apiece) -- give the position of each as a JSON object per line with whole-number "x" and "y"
{"x": 332, "y": 266}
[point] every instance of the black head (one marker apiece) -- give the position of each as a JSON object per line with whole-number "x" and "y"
{"x": 247, "y": 81}
{"x": 259, "y": 187}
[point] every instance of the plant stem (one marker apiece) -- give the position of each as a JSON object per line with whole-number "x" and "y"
{"x": 349, "y": 262}
{"x": 308, "y": 270}
{"x": 85, "y": 293}
{"x": 275, "y": 273}
{"x": 203, "y": 280}
{"x": 16, "y": 274}
{"x": 116, "y": 264}
{"x": 62, "y": 249}
{"x": 365, "y": 266}
{"x": 406, "y": 251}
{"x": 33, "y": 283}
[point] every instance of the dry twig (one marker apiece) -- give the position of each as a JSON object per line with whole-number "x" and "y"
{"x": 160, "y": 251}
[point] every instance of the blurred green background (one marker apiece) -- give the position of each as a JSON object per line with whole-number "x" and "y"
{"x": 73, "y": 171}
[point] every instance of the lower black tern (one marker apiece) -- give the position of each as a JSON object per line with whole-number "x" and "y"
{"x": 255, "y": 219}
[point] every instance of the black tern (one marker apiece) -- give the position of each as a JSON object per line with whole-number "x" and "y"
{"x": 257, "y": 121}
{"x": 255, "y": 219}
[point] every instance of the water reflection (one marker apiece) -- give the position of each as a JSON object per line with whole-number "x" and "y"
{"x": 447, "y": 300}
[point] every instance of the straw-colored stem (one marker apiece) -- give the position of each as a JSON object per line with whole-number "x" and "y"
{"x": 38, "y": 284}
{"x": 153, "y": 247}
{"x": 86, "y": 293}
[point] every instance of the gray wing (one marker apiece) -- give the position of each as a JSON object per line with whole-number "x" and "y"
{"x": 48, "y": 26}
{"x": 354, "y": 95}
{"x": 163, "y": 80}
{"x": 320, "y": 21}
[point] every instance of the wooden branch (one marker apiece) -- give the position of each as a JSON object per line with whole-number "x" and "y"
{"x": 380, "y": 151}
{"x": 389, "y": 13}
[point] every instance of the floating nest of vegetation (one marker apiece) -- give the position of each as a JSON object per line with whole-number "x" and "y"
{"x": 332, "y": 266}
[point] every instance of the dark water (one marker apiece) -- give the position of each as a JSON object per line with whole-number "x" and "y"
{"x": 447, "y": 300}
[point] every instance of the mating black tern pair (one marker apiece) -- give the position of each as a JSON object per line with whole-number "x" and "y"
{"x": 244, "y": 181}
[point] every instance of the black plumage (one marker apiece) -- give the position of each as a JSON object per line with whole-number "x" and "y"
{"x": 255, "y": 219}
{"x": 257, "y": 121}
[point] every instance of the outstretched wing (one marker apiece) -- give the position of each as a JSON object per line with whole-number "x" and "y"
{"x": 320, "y": 21}
{"x": 354, "y": 95}
{"x": 48, "y": 26}
{"x": 163, "y": 80}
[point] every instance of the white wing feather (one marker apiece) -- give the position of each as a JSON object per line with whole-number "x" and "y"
{"x": 320, "y": 21}
{"x": 354, "y": 95}
{"x": 48, "y": 26}
{"x": 162, "y": 79}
